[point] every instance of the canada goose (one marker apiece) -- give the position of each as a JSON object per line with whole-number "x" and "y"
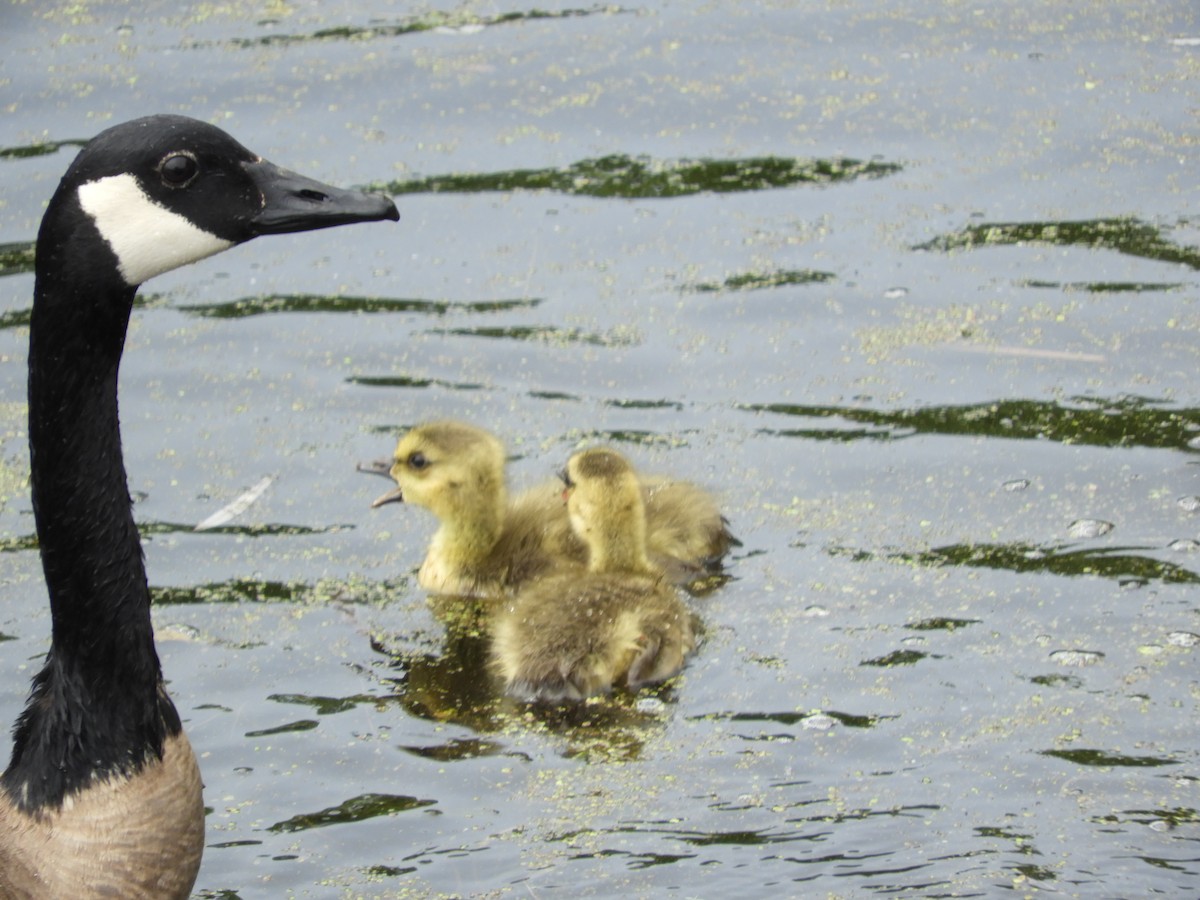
{"x": 485, "y": 543}
{"x": 102, "y": 796}
{"x": 576, "y": 633}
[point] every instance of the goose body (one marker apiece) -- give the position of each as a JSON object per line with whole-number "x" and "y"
{"x": 102, "y": 796}
{"x": 579, "y": 632}
{"x": 487, "y": 543}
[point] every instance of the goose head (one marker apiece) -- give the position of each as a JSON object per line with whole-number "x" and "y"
{"x": 163, "y": 191}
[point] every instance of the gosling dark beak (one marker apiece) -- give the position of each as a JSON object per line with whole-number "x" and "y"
{"x": 293, "y": 203}
{"x": 393, "y": 496}
{"x": 376, "y": 467}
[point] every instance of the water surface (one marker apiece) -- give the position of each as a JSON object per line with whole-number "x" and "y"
{"x": 915, "y": 291}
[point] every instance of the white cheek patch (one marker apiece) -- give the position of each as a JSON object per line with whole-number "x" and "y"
{"x": 148, "y": 239}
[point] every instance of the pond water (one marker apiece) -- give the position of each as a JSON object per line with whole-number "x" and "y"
{"x": 913, "y": 287}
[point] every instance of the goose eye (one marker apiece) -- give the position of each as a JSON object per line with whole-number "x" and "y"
{"x": 178, "y": 170}
{"x": 418, "y": 460}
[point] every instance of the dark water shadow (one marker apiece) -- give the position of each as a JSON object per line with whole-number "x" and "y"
{"x": 642, "y": 178}
{"x": 544, "y": 334}
{"x": 1119, "y": 422}
{"x": 149, "y": 530}
{"x": 258, "y": 590}
{"x": 16, "y": 259}
{"x": 461, "y": 20}
{"x": 38, "y": 148}
{"x": 1104, "y": 287}
{"x": 1107, "y": 759}
{"x": 355, "y": 809}
{"x": 1116, "y": 563}
{"x": 850, "y": 720}
{"x": 1127, "y": 235}
{"x": 757, "y": 281}
{"x": 269, "y": 304}
{"x": 408, "y": 381}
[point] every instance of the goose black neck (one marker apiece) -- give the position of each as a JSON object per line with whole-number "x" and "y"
{"x": 98, "y": 706}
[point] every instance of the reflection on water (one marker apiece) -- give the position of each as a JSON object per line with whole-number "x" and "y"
{"x": 461, "y": 21}
{"x": 639, "y": 177}
{"x": 548, "y": 334}
{"x": 448, "y": 677}
{"x": 254, "y": 590}
{"x": 1105, "y": 287}
{"x": 777, "y": 172}
{"x": 16, "y": 258}
{"x": 356, "y": 809}
{"x": 1116, "y": 563}
{"x": 814, "y": 719}
{"x": 753, "y": 281}
{"x": 1130, "y": 236}
{"x": 38, "y": 148}
{"x": 247, "y": 307}
{"x": 1104, "y": 758}
{"x": 1118, "y": 422}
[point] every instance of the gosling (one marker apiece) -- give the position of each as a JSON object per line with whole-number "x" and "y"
{"x": 577, "y": 633}
{"x": 487, "y": 544}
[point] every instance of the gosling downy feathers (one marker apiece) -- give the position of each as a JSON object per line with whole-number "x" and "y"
{"x": 577, "y": 633}
{"x": 102, "y": 796}
{"x": 487, "y": 543}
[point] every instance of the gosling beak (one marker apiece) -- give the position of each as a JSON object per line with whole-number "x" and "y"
{"x": 393, "y": 496}
{"x": 293, "y": 202}
{"x": 376, "y": 467}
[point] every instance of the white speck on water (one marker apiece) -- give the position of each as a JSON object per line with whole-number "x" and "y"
{"x": 820, "y": 722}
{"x": 1078, "y": 658}
{"x": 1183, "y": 639}
{"x": 1089, "y": 528}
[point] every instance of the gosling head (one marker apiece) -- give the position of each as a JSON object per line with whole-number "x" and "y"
{"x": 451, "y": 468}
{"x": 604, "y": 501}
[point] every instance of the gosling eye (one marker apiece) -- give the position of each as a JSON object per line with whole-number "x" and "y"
{"x": 565, "y": 477}
{"x": 178, "y": 169}
{"x": 417, "y": 461}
